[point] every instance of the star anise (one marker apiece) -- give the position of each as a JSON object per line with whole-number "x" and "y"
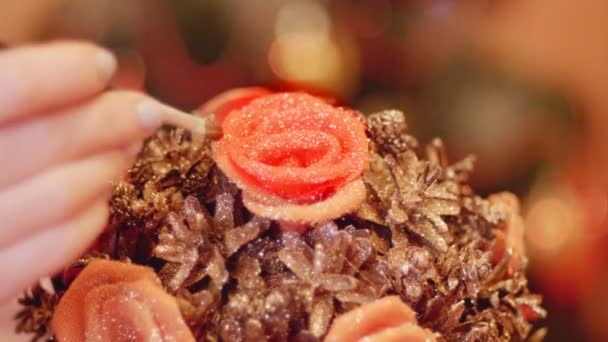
{"x": 235, "y": 236}
{"x": 267, "y": 314}
{"x": 184, "y": 243}
{"x": 513, "y": 294}
{"x": 413, "y": 272}
{"x": 334, "y": 263}
{"x": 409, "y": 194}
{"x": 172, "y": 158}
{"x": 388, "y": 131}
{"x": 200, "y": 311}
{"x": 37, "y": 312}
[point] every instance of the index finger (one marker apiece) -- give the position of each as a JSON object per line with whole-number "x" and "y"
{"x": 37, "y": 78}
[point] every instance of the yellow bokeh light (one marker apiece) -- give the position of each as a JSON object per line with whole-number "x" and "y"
{"x": 552, "y": 224}
{"x": 306, "y": 51}
{"x": 304, "y": 16}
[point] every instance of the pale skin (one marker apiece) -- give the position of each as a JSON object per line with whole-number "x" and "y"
{"x": 64, "y": 138}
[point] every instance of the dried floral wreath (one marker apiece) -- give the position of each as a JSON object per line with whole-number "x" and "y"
{"x": 256, "y": 237}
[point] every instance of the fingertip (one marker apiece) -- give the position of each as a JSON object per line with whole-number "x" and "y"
{"x": 149, "y": 113}
{"x": 106, "y": 65}
{"x": 116, "y": 119}
{"x": 131, "y": 116}
{"x": 96, "y": 64}
{"x": 44, "y": 77}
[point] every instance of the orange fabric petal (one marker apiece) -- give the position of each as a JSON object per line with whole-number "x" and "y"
{"x": 386, "y": 319}
{"x": 294, "y": 146}
{"x": 109, "y": 317}
{"x": 114, "y": 301}
{"x": 234, "y": 99}
{"x": 509, "y": 237}
{"x": 346, "y": 199}
{"x": 407, "y": 332}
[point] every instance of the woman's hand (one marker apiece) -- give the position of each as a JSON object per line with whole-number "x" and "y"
{"x": 63, "y": 140}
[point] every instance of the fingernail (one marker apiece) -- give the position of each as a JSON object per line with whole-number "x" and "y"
{"x": 149, "y": 114}
{"x": 106, "y": 65}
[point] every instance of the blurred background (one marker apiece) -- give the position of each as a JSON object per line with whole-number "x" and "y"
{"x": 520, "y": 84}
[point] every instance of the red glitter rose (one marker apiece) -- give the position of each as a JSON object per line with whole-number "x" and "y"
{"x": 296, "y": 157}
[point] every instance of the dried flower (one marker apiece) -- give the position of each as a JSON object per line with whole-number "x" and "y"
{"x": 37, "y": 313}
{"x": 421, "y": 233}
{"x": 411, "y": 193}
{"x": 184, "y": 244}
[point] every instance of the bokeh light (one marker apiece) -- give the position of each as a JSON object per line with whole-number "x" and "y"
{"x": 306, "y": 50}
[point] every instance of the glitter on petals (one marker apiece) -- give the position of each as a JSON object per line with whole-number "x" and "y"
{"x": 115, "y": 301}
{"x": 233, "y": 99}
{"x": 295, "y": 149}
{"x": 386, "y": 319}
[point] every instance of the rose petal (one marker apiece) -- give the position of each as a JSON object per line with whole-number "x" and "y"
{"x": 511, "y": 235}
{"x": 346, "y": 199}
{"x": 371, "y": 318}
{"x": 408, "y": 332}
{"x": 221, "y": 105}
{"x": 108, "y": 294}
{"x": 293, "y": 146}
{"x": 133, "y": 311}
